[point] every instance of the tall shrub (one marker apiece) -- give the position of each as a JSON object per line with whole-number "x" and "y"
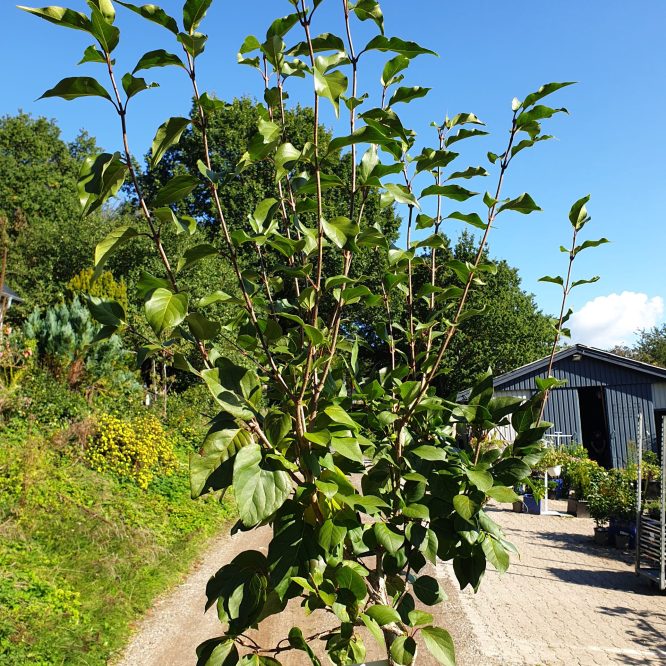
{"x": 355, "y": 468}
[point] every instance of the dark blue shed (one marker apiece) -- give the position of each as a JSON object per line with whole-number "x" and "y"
{"x": 600, "y": 404}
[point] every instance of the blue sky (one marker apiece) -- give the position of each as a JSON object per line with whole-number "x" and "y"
{"x": 611, "y": 145}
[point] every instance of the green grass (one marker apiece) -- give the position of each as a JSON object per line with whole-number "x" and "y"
{"x": 83, "y": 554}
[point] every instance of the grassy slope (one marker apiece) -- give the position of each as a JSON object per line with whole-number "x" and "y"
{"x": 82, "y": 554}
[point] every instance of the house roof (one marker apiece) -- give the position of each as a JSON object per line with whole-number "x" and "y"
{"x": 9, "y": 293}
{"x": 591, "y": 352}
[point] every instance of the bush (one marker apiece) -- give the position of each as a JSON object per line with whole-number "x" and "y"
{"x": 105, "y": 286}
{"x": 64, "y": 336}
{"x": 16, "y": 355}
{"x": 612, "y": 495}
{"x": 46, "y": 401}
{"x": 580, "y": 474}
{"x": 136, "y": 449}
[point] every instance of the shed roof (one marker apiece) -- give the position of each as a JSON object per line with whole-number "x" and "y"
{"x": 8, "y": 292}
{"x": 654, "y": 372}
{"x": 591, "y": 352}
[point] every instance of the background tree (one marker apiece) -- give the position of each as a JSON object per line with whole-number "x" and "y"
{"x": 49, "y": 242}
{"x": 510, "y": 332}
{"x": 649, "y": 348}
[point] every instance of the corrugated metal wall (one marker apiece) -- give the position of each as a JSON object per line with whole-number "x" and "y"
{"x": 623, "y": 405}
{"x": 659, "y": 395}
{"x": 627, "y": 394}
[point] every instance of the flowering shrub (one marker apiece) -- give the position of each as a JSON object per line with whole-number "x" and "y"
{"x": 134, "y": 449}
{"x": 15, "y": 355}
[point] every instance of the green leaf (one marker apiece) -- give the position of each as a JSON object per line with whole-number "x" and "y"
{"x": 194, "y": 44}
{"x": 106, "y": 34}
{"x": 555, "y": 279}
{"x": 469, "y": 218}
{"x": 340, "y": 417}
{"x": 465, "y": 507}
{"x": 74, "y": 87}
{"x": 153, "y": 13}
{"x": 217, "y": 652}
{"x": 502, "y": 494}
{"x": 100, "y": 178}
{"x": 201, "y": 327}
{"x": 331, "y": 86}
{"x": 440, "y": 645}
{"x": 393, "y": 67}
{"x": 92, "y": 54}
{"x": 495, "y": 553}
{"x": 468, "y": 173}
{"x": 578, "y": 214}
{"x": 429, "y": 452}
{"x": 175, "y": 189}
{"x": 523, "y": 204}
{"x": 375, "y": 630}
{"x": 297, "y": 642}
{"x": 220, "y": 445}
{"x": 428, "y": 590}
{"x": 418, "y": 617}
{"x": 407, "y": 94}
{"x": 529, "y": 119}
{"x": 545, "y": 90}
{"x": 591, "y": 280}
{"x": 331, "y": 535}
{"x": 482, "y": 480}
{"x": 194, "y": 254}
{"x": 193, "y": 13}
{"x": 382, "y": 614}
{"x": 407, "y": 49}
{"x": 348, "y": 448}
{"x": 349, "y": 579}
{"x": 340, "y": 230}
{"x": 112, "y": 243}
{"x": 370, "y": 10}
{"x": 401, "y": 194}
{"x": 286, "y": 157}
{"x": 164, "y": 309}
{"x": 403, "y": 650}
{"x": 391, "y": 541}
{"x": 168, "y": 134}
{"x": 107, "y": 313}
{"x": 454, "y": 192}
{"x": 158, "y": 58}
{"x": 590, "y": 243}
{"x": 67, "y": 18}
{"x": 365, "y": 134}
{"x": 260, "y": 490}
{"x": 133, "y": 85}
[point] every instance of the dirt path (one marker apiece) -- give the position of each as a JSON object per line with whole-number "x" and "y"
{"x": 170, "y": 632}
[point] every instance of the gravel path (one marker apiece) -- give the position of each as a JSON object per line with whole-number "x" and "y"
{"x": 565, "y": 601}
{"x": 175, "y": 625}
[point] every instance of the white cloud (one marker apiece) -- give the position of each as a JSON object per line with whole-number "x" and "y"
{"x": 612, "y": 320}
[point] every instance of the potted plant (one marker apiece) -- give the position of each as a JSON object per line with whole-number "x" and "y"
{"x": 619, "y": 485}
{"x": 599, "y": 502}
{"x": 581, "y": 474}
{"x": 532, "y": 500}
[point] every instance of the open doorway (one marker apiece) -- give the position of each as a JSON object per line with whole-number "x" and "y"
{"x": 594, "y": 424}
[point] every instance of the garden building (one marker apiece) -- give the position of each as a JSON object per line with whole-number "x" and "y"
{"x": 601, "y": 402}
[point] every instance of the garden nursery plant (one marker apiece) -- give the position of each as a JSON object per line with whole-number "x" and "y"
{"x": 361, "y": 470}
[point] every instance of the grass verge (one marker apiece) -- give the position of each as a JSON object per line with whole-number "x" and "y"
{"x": 83, "y": 554}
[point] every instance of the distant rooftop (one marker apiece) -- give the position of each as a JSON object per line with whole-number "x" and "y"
{"x": 9, "y": 293}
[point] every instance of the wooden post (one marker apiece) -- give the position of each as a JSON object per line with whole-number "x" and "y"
{"x": 639, "y": 499}
{"x": 662, "y": 558}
